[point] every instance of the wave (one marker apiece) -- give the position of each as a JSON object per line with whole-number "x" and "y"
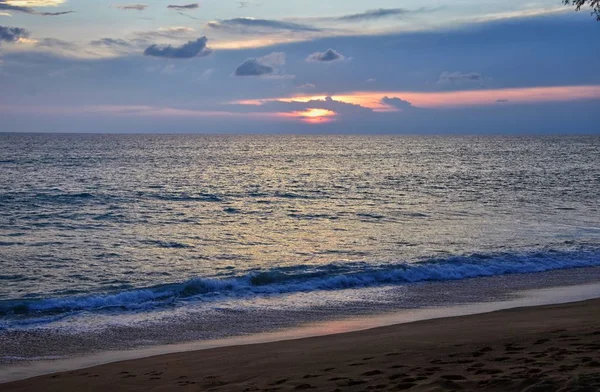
{"x": 305, "y": 278}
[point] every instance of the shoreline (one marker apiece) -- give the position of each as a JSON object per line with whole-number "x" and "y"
{"x": 536, "y": 302}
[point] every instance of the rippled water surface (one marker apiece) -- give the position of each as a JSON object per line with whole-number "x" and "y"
{"x": 105, "y": 223}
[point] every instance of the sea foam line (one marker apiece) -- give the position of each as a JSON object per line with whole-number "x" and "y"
{"x": 308, "y": 278}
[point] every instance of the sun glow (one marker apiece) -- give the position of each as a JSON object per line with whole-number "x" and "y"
{"x": 450, "y": 99}
{"x": 312, "y": 115}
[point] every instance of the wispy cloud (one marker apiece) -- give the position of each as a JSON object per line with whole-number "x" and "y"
{"x": 243, "y": 25}
{"x": 167, "y": 32}
{"x": 373, "y": 14}
{"x": 184, "y": 7}
{"x": 111, "y": 42}
{"x": 56, "y": 43}
{"x": 27, "y": 6}
{"x": 132, "y": 7}
{"x": 459, "y": 78}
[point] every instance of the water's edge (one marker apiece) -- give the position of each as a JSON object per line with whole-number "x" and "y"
{"x": 528, "y": 298}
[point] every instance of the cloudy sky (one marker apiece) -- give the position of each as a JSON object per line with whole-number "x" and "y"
{"x": 282, "y": 66}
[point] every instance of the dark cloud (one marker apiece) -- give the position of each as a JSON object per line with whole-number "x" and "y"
{"x": 459, "y": 77}
{"x": 8, "y": 7}
{"x": 243, "y": 24}
{"x": 134, "y": 7}
{"x": 110, "y": 42}
{"x": 55, "y": 13}
{"x": 253, "y": 67}
{"x": 373, "y": 14}
{"x": 28, "y": 10}
{"x": 269, "y": 65}
{"x": 12, "y": 34}
{"x": 328, "y": 56}
{"x": 188, "y": 50}
{"x": 184, "y": 7}
{"x": 341, "y": 108}
{"x": 396, "y": 103}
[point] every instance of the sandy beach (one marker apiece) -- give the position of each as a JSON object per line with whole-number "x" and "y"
{"x": 544, "y": 348}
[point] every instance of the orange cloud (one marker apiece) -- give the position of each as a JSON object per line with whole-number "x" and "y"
{"x": 452, "y": 99}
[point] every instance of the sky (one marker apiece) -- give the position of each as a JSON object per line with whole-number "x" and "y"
{"x": 310, "y": 66}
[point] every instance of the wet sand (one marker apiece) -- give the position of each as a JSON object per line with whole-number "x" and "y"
{"x": 543, "y": 348}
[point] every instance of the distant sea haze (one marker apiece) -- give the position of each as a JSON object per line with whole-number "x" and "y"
{"x": 105, "y": 233}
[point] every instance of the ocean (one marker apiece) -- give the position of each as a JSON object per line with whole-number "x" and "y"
{"x": 123, "y": 241}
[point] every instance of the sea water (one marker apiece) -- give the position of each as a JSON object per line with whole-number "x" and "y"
{"x": 122, "y": 241}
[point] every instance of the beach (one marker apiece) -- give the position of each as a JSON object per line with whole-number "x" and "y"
{"x": 540, "y": 348}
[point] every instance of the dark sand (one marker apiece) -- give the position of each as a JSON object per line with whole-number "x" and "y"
{"x": 546, "y": 348}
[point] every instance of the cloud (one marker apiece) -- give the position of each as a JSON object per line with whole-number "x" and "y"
{"x": 396, "y": 103}
{"x": 55, "y": 13}
{"x": 188, "y": 50}
{"x": 327, "y": 103}
{"x": 329, "y": 55}
{"x": 12, "y": 34}
{"x": 245, "y": 24}
{"x": 373, "y": 14}
{"x": 459, "y": 78}
{"x": 184, "y": 7}
{"x": 35, "y": 3}
{"x": 167, "y": 32}
{"x": 55, "y": 43}
{"x": 502, "y": 100}
{"x": 253, "y": 67}
{"x": 135, "y": 7}
{"x": 110, "y": 42}
{"x": 206, "y": 74}
{"x": 25, "y": 7}
{"x": 5, "y": 14}
{"x": 263, "y": 66}
{"x": 307, "y": 86}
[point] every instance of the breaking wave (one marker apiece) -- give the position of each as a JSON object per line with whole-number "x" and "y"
{"x": 304, "y": 278}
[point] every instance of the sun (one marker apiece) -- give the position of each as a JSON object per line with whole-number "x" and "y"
{"x": 316, "y": 116}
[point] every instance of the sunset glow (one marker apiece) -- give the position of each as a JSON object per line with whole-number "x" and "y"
{"x": 452, "y": 99}
{"x": 312, "y": 115}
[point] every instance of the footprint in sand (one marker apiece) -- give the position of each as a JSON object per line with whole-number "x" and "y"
{"x": 372, "y": 372}
{"x": 403, "y": 386}
{"x": 453, "y": 377}
{"x": 355, "y": 382}
{"x": 303, "y": 387}
{"x": 488, "y": 371}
